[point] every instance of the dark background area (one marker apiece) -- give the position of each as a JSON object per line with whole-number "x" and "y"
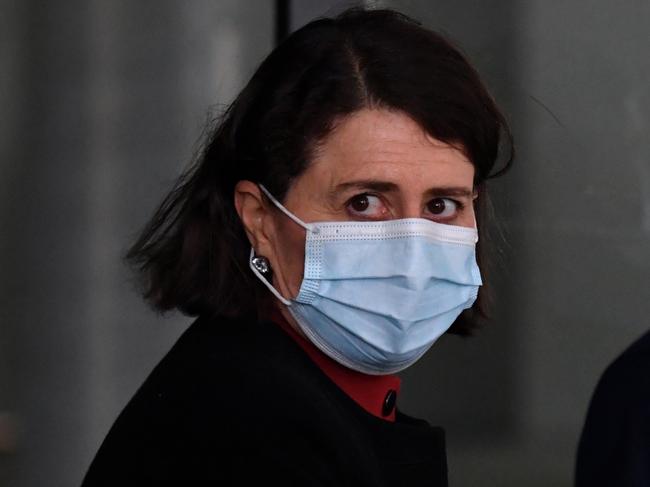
{"x": 103, "y": 104}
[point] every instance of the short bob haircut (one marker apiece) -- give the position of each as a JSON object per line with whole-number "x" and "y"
{"x": 193, "y": 254}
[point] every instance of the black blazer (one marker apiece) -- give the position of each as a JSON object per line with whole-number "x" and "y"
{"x": 614, "y": 448}
{"x": 237, "y": 403}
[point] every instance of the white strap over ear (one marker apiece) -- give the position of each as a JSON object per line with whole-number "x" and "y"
{"x": 287, "y": 212}
{"x": 277, "y": 294}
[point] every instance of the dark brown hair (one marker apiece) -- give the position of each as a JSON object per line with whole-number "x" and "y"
{"x": 193, "y": 254}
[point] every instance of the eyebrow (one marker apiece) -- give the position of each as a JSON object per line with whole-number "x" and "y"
{"x": 387, "y": 186}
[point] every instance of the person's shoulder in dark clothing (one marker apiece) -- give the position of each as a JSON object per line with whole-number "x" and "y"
{"x": 234, "y": 403}
{"x": 614, "y": 447}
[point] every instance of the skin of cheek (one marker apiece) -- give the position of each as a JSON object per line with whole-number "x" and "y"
{"x": 304, "y": 199}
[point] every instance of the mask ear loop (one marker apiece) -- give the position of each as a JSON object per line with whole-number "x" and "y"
{"x": 309, "y": 228}
{"x": 287, "y": 212}
{"x": 277, "y": 294}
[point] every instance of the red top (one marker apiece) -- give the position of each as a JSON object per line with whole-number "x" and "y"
{"x": 377, "y": 394}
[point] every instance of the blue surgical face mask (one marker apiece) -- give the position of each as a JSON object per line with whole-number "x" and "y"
{"x": 376, "y": 295}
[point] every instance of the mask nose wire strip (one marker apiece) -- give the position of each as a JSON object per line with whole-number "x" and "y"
{"x": 277, "y": 294}
{"x": 287, "y": 212}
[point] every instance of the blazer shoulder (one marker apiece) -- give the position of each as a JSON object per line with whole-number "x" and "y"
{"x": 224, "y": 362}
{"x": 629, "y": 374}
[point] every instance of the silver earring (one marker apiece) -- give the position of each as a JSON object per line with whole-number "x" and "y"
{"x": 261, "y": 264}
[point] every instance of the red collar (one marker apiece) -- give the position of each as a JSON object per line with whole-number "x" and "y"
{"x": 377, "y": 394}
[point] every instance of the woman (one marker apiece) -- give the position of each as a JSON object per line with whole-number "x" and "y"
{"x": 325, "y": 239}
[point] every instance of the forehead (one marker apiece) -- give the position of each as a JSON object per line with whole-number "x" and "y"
{"x": 382, "y": 144}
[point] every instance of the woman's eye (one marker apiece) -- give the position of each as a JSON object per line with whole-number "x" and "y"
{"x": 443, "y": 207}
{"x": 366, "y": 205}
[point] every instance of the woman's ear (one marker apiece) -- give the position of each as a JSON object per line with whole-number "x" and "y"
{"x": 254, "y": 213}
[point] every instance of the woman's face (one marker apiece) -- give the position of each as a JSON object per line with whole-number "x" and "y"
{"x": 376, "y": 165}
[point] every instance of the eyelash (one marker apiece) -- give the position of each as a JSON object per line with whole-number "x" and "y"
{"x": 460, "y": 206}
{"x": 351, "y": 201}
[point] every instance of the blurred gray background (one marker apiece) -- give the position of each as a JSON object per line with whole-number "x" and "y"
{"x": 103, "y": 104}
